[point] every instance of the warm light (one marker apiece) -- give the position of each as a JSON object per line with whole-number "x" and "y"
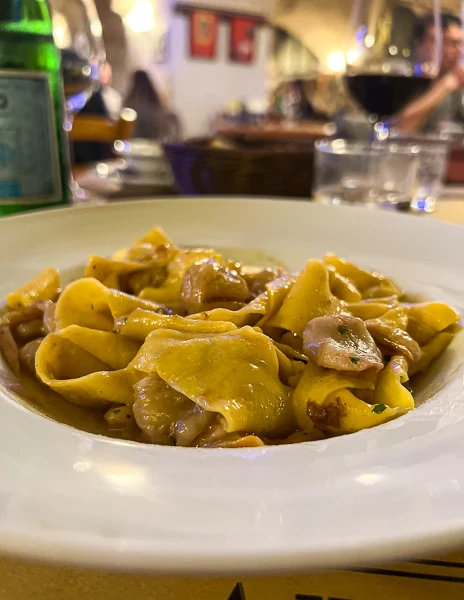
{"x": 141, "y": 18}
{"x": 96, "y": 28}
{"x": 406, "y": 53}
{"x": 393, "y": 50}
{"x": 369, "y": 40}
{"x": 129, "y": 114}
{"x": 336, "y": 62}
{"x": 61, "y": 31}
{"x": 352, "y": 56}
{"x": 124, "y": 477}
{"x": 370, "y": 478}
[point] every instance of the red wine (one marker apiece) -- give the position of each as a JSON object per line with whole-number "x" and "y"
{"x": 385, "y": 95}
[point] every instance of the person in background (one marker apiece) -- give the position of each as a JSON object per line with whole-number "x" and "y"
{"x": 153, "y": 120}
{"x": 444, "y": 100}
{"x": 106, "y": 102}
{"x": 306, "y": 110}
{"x": 290, "y": 99}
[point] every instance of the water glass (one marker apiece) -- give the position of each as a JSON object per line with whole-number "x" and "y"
{"x": 390, "y": 174}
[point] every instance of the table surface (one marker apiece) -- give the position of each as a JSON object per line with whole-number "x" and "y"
{"x": 20, "y": 580}
{"x": 278, "y": 131}
{"x": 451, "y": 211}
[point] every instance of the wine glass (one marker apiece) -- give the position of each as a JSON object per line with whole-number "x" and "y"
{"x": 387, "y": 64}
{"x": 78, "y": 34}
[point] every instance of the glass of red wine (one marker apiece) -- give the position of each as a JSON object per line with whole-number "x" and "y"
{"x": 387, "y": 65}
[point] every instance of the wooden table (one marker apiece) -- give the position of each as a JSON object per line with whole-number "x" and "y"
{"x": 451, "y": 211}
{"x": 279, "y": 132}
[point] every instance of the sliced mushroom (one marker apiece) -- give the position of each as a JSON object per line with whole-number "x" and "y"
{"x": 257, "y": 279}
{"x": 27, "y": 355}
{"x": 157, "y": 407}
{"x": 9, "y": 349}
{"x": 394, "y": 338}
{"x": 342, "y": 343}
{"x": 209, "y": 283}
{"x": 29, "y": 331}
{"x": 25, "y": 315}
{"x": 140, "y": 280}
{"x": 191, "y": 424}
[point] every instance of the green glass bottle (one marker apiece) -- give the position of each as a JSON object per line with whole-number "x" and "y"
{"x": 34, "y": 152}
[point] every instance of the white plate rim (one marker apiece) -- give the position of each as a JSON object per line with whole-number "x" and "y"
{"x": 132, "y": 555}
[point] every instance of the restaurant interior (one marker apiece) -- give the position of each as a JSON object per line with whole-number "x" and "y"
{"x": 241, "y": 91}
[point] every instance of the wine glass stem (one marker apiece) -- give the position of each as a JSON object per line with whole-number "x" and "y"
{"x": 77, "y": 193}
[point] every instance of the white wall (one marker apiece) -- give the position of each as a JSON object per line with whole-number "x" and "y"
{"x": 201, "y": 88}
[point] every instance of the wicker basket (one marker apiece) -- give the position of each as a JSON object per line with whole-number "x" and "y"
{"x": 264, "y": 169}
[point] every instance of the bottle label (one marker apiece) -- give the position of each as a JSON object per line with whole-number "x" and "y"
{"x": 29, "y": 154}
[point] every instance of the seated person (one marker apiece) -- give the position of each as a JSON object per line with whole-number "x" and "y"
{"x": 444, "y": 100}
{"x": 154, "y": 121}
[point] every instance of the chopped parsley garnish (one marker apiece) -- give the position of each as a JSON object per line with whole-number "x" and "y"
{"x": 354, "y": 360}
{"x": 342, "y": 329}
{"x": 379, "y": 408}
{"x": 117, "y": 411}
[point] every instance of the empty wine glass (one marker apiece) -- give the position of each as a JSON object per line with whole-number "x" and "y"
{"x": 78, "y": 34}
{"x": 386, "y": 67}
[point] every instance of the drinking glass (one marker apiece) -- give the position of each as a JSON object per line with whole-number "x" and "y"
{"x": 400, "y": 175}
{"x": 386, "y": 68}
{"x": 78, "y": 34}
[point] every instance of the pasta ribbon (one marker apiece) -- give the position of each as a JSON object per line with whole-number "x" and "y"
{"x": 88, "y": 367}
{"x": 309, "y": 297}
{"x": 369, "y": 284}
{"x": 89, "y": 303}
{"x": 431, "y": 351}
{"x": 258, "y": 311}
{"x": 342, "y": 287}
{"x": 235, "y": 374}
{"x": 45, "y": 286}
{"x": 140, "y": 323}
{"x": 429, "y": 318}
{"x": 316, "y": 386}
{"x": 389, "y": 389}
{"x": 368, "y": 309}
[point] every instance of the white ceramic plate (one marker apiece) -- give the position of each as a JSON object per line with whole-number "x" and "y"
{"x": 380, "y": 494}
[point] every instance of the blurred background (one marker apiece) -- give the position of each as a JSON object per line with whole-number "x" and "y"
{"x": 293, "y": 41}
{"x": 235, "y": 96}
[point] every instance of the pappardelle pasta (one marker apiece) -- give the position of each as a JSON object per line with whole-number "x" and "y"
{"x": 176, "y": 346}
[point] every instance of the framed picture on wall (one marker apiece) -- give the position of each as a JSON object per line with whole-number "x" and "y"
{"x": 242, "y": 40}
{"x": 203, "y": 34}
